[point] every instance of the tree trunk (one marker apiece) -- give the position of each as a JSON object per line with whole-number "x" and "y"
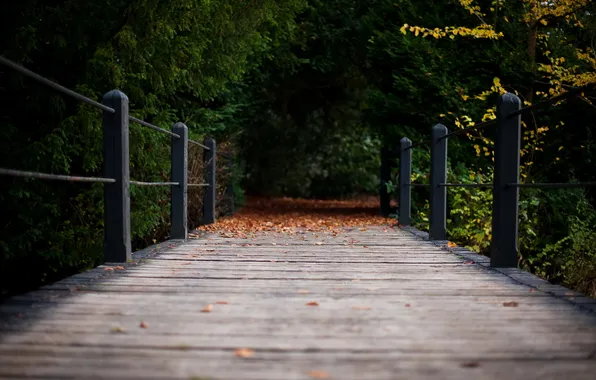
{"x": 532, "y": 42}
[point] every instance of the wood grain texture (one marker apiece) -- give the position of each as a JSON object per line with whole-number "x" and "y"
{"x": 389, "y": 305}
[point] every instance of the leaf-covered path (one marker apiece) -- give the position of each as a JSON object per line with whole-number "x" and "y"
{"x": 278, "y": 293}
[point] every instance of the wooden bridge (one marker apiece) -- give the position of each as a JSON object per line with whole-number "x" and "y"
{"x": 356, "y": 303}
{"x": 377, "y": 304}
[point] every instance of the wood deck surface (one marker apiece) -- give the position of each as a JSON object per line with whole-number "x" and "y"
{"x": 384, "y": 305}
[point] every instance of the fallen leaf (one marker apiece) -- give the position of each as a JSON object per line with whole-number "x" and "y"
{"x": 468, "y": 262}
{"x": 469, "y": 365}
{"x": 244, "y": 352}
{"x": 207, "y": 309}
{"x": 118, "y": 330}
{"x": 407, "y": 305}
{"x": 532, "y": 290}
{"x": 510, "y": 304}
{"x": 313, "y": 303}
{"x": 222, "y": 302}
{"x": 303, "y": 291}
{"x": 318, "y": 374}
{"x": 118, "y": 267}
{"x": 108, "y": 269}
{"x": 143, "y": 325}
{"x": 451, "y": 244}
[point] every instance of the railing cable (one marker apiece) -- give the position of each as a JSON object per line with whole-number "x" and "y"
{"x": 56, "y": 177}
{"x": 481, "y": 125}
{"x": 553, "y": 185}
{"x": 198, "y": 185}
{"x": 198, "y": 144}
{"x": 140, "y": 183}
{"x": 418, "y": 143}
{"x": 572, "y": 92}
{"x": 466, "y": 184}
{"x": 53, "y": 85}
{"x": 155, "y": 128}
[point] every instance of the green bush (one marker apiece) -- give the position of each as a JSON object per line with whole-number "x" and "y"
{"x": 572, "y": 259}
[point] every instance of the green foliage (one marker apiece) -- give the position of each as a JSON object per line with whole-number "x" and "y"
{"x": 572, "y": 259}
{"x": 176, "y": 61}
{"x": 470, "y": 209}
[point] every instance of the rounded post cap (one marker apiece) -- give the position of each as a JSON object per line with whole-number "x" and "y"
{"x": 509, "y": 98}
{"x": 440, "y": 128}
{"x": 180, "y": 126}
{"x": 114, "y": 95}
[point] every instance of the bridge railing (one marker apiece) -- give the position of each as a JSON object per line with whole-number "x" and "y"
{"x": 505, "y": 186}
{"x": 116, "y": 170}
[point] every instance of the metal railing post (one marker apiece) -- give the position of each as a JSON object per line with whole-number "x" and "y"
{"x": 438, "y": 176}
{"x": 405, "y": 178}
{"x": 179, "y": 205}
{"x": 209, "y": 197}
{"x": 504, "y": 251}
{"x": 117, "y": 244}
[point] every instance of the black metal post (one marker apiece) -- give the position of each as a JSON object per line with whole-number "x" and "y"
{"x": 504, "y": 252}
{"x": 117, "y": 245}
{"x": 179, "y": 203}
{"x": 438, "y": 175}
{"x": 405, "y": 177}
{"x": 209, "y": 197}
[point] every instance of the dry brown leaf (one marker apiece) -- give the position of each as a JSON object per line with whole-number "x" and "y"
{"x": 143, "y": 325}
{"x": 222, "y": 302}
{"x": 318, "y": 374}
{"x": 408, "y": 305}
{"x": 312, "y": 303}
{"x": 510, "y": 304}
{"x": 108, "y": 269}
{"x": 469, "y": 365}
{"x": 244, "y": 352}
{"x": 451, "y": 244}
{"x": 118, "y": 330}
{"x": 119, "y": 267}
{"x": 207, "y": 309}
{"x": 285, "y": 215}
